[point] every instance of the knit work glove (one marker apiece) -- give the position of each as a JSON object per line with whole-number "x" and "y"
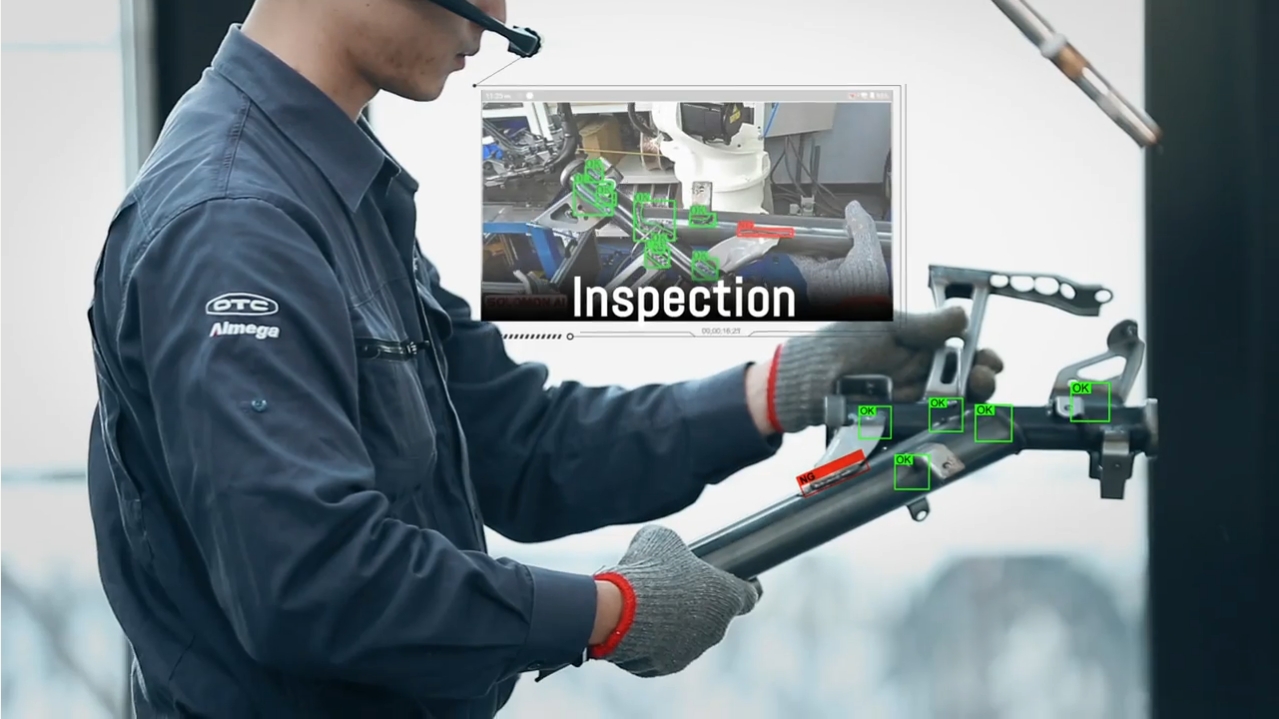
{"x": 804, "y": 369}
{"x": 861, "y": 273}
{"x": 674, "y": 605}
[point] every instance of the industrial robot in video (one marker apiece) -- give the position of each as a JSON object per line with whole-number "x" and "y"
{"x": 556, "y": 221}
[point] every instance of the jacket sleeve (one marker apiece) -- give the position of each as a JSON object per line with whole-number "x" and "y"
{"x": 246, "y": 341}
{"x": 548, "y": 463}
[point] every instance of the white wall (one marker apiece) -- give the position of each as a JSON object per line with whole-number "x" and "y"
{"x": 852, "y": 151}
{"x": 63, "y": 125}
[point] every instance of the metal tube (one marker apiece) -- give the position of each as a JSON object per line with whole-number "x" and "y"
{"x": 814, "y": 236}
{"x": 728, "y": 221}
{"x": 1054, "y": 46}
{"x": 503, "y": 288}
{"x": 799, "y": 524}
{"x": 1039, "y": 428}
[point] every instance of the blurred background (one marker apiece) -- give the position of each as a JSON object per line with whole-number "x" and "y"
{"x": 1022, "y": 597}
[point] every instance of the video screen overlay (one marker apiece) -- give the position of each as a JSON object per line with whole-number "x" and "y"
{"x": 696, "y": 205}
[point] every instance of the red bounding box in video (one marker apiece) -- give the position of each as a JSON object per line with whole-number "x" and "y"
{"x": 832, "y": 473}
{"x": 747, "y": 229}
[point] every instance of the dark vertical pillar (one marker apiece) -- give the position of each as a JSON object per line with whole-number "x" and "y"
{"x": 187, "y": 34}
{"x": 1213, "y": 274}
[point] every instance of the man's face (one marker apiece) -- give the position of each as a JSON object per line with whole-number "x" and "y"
{"x": 410, "y": 47}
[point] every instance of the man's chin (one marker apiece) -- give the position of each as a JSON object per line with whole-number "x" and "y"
{"x": 425, "y": 91}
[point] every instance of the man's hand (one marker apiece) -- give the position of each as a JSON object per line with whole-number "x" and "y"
{"x": 788, "y": 394}
{"x": 861, "y": 273}
{"x": 674, "y": 606}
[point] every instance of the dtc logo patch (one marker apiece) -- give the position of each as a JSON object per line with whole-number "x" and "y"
{"x": 241, "y": 304}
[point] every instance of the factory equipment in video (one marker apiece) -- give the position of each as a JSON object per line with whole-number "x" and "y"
{"x": 651, "y": 211}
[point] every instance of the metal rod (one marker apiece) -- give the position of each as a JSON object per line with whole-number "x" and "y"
{"x": 126, "y": 697}
{"x": 799, "y": 524}
{"x": 818, "y": 239}
{"x": 1039, "y": 428}
{"x": 503, "y": 288}
{"x": 1054, "y": 46}
{"x": 814, "y": 236}
{"x": 825, "y": 237}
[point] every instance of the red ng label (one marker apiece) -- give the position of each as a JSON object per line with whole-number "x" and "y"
{"x": 832, "y": 473}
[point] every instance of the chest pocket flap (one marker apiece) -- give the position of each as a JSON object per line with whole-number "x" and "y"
{"x": 395, "y": 421}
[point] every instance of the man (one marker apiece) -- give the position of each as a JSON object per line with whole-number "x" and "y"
{"x": 300, "y": 434}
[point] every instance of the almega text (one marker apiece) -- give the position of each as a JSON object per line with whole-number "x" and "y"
{"x": 261, "y": 332}
{"x": 644, "y": 303}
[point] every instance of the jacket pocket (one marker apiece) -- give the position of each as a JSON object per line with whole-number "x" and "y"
{"x": 395, "y": 420}
{"x": 128, "y": 492}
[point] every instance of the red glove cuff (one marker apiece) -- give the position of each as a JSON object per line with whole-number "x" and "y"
{"x": 599, "y": 651}
{"x": 772, "y": 391}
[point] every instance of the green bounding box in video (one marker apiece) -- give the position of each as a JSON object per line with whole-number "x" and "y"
{"x": 905, "y": 476}
{"x": 871, "y": 411}
{"x": 1090, "y": 388}
{"x": 989, "y": 412}
{"x": 940, "y": 403}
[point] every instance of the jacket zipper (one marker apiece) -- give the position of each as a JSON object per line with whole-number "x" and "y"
{"x": 384, "y": 349}
{"x": 438, "y": 368}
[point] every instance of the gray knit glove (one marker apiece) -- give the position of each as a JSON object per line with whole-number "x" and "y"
{"x": 805, "y": 368}
{"x": 675, "y": 606}
{"x": 861, "y": 273}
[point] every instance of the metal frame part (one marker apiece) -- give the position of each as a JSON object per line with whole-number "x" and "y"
{"x": 951, "y": 366}
{"x": 1112, "y": 436}
{"x": 814, "y": 236}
